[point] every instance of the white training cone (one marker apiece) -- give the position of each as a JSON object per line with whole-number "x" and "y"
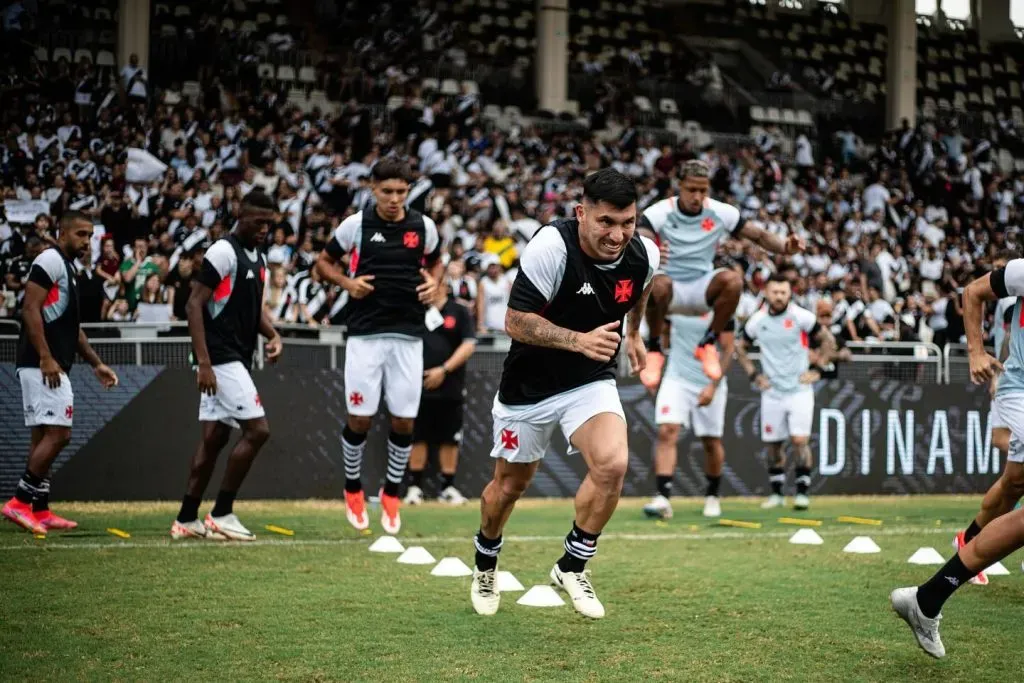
{"x": 862, "y": 544}
{"x": 806, "y": 537}
{"x": 386, "y": 544}
{"x": 507, "y": 583}
{"x": 451, "y": 566}
{"x": 416, "y": 555}
{"x": 997, "y": 570}
{"x": 541, "y": 596}
{"x": 926, "y": 556}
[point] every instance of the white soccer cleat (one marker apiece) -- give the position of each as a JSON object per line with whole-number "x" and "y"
{"x": 452, "y": 496}
{"x": 484, "y": 593}
{"x": 228, "y": 527}
{"x": 712, "y": 507}
{"x": 579, "y": 588}
{"x": 414, "y": 496}
{"x": 801, "y": 502}
{"x": 193, "y": 529}
{"x": 926, "y": 630}
{"x": 774, "y": 501}
{"x": 659, "y": 507}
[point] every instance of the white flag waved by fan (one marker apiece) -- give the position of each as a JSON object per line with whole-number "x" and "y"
{"x": 143, "y": 167}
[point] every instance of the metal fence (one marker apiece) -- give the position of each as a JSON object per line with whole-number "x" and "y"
{"x": 167, "y": 344}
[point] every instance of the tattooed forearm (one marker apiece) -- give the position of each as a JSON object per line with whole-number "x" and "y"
{"x": 530, "y": 328}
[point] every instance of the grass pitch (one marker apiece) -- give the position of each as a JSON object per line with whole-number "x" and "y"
{"x": 687, "y": 600}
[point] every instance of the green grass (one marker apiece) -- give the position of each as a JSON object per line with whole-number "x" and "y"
{"x": 686, "y": 600}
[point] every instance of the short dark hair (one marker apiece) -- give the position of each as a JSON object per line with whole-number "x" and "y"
{"x": 608, "y": 185}
{"x": 1007, "y": 254}
{"x": 777, "y": 277}
{"x": 258, "y": 199}
{"x": 71, "y": 217}
{"x": 391, "y": 168}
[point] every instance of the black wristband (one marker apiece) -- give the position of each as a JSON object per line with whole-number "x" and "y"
{"x": 753, "y": 375}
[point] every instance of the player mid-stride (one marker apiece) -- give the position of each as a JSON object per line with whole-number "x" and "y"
{"x": 577, "y": 280}
{"x": 689, "y": 228}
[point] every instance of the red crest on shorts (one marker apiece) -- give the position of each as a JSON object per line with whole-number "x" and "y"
{"x": 69, "y": 411}
{"x": 449, "y": 322}
{"x": 708, "y": 224}
{"x": 509, "y": 440}
{"x": 355, "y": 398}
{"x": 665, "y": 410}
{"x": 788, "y": 323}
{"x": 258, "y": 401}
{"x": 767, "y": 429}
{"x": 411, "y": 240}
{"x": 623, "y": 290}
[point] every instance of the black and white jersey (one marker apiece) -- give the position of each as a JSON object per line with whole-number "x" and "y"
{"x": 557, "y": 281}
{"x": 393, "y": 253}
{"x": 61, "y": 317}
{"x": 231, "y": 317}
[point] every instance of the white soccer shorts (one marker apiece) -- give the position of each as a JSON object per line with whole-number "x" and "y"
{"x": 1008, "y": 409}
{"x": 394, "y": 364}
{"x": 786, "y": 415}
{"x": 677, "y": 405}
{"x": 236, "y": 397}
{"x": 691, "y": 298}
{"x": 42, "y": 405}
{"x": 522, "y": 433}
{"x": 995, "y": 418}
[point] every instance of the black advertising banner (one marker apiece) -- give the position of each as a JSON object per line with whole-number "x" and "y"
{"x": 869, "y": 437}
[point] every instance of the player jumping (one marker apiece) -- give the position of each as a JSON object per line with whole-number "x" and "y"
{"x": 577, "y": 280}
{"x": 49, "y": 339}
{"x": 783, "y": 332}
{"x": 687, "y": 398}
{"x": 225, "y": 316}
{"x": 689, "y": 228}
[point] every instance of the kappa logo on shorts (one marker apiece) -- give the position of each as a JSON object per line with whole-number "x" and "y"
{"x": 239, "y": 408}
{"x": 50, "y": 413}
{"x": 509, "y": 440}
{"x": 69, "y": 411}
{"x": 355, "y": 398}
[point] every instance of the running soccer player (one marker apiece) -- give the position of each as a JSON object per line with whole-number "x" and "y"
{"x": 225, "y": 316}
{"x": 921, "y": 606}
{"x": 687, "y": 398}
{"x": 388, "y": 287}
{"x": 689, "y": 228}
{"x": 783, "y": 332}
{"x": 578, "y": 278}
{"x": 49, "y": 338}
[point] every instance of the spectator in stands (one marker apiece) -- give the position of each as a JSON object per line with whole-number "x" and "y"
{"x": 492, "y": 299}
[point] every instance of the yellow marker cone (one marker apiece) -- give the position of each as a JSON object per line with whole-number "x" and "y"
{"x": 279, "y": 530}
{"x": 694, "y": 527}
{"x": 739, "y": 524}
{"x": 41, "y": 537}
{"x": 119, "y": 533}
{"x": 366, "y": 532}
{"x": 660, "y": 523}
{"x": 860, "y": 520}
{"x": 799, "y": 522}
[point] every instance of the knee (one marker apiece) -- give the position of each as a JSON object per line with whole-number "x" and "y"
{"x": 513, "y": 488}
{"x": 731, "y": 282}
{"x": 258, "y": 433}
{"x": 661, "y": 287}
{"x": 668, "y": 434}
{"x": 60, "y": 436}
{"x": 401, "y": 425}
{"x": 609, "y": 472}
{"x": 1001, "y": 439}
{"x": 359, "y": 423}
{"x": 1013, "y": 481}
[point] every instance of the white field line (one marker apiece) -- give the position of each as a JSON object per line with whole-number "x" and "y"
{"x": 751, "y": 534}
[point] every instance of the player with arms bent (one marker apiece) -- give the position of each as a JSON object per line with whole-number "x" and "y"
{"x": 578, "y": 279}
{"x": 1002, "y": 528}
{"x": 388, "y": 286}
{"x": 225, "y": 315}
{"x": 689, "y": 228}
{"x": 50, "y": 336}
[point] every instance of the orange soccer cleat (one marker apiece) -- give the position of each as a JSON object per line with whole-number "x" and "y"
{"x": 389, "y": 518}
{"x": 355, "y": 510}
{"x": 52, "y": 521}
{"x": 22, "y": 515}
{"x": 708, "y": 356}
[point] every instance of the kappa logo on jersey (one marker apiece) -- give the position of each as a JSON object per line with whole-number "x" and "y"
{"x": 509, "y": 440}
{"x": 249, "y": 275}
{"x": 585, "y": 289}
{"x": 355, "y": 398}
{"x": 411, "y": 240}
{"x": 708, "y": 224}
{"x": 623, "y": 290}
{"x": 377, "y": 237}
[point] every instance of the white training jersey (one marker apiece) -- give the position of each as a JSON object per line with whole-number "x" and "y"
{"x": 692, "y": 240}
{"x": 783, "y": 340}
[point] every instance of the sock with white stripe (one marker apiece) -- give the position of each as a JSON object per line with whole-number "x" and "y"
{"x": 487, "y": 550}
{"x": 352, "y": 446}
{"x": 41, "y": 503}
{"x": 399, "y": 448}
{"x": 803, "y": 480}
{"x": 580, "y": 546}
{"x": 28, "y": 488}
{"x": 777, "y": 477}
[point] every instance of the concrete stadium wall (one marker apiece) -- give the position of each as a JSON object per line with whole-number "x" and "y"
{"x": 134, "y": 442}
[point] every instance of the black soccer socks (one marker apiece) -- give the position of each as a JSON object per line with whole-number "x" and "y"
{"x": 580, "y": 547}
{"x": 352, "y": 446}
{"x": 487, "y": 550}
{"x": 399, "y": 448}
{"x": 934, "y": 593}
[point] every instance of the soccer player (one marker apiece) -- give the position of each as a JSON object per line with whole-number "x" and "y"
{"x": 225, "y": 315}
{"x": 921, "y": 606}
{"x": 578, "y": 278}
{"x": 388, "y": 246}
{"x": 50, "y": 336}
{"x": 783, "y": 332}
{"x": 689, "y": 228}
{"x": 687, "y": 398}
{"x": 446, "y": 348}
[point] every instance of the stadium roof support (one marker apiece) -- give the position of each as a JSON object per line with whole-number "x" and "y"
{"x": 552, "y": 62}
{"x": 901, "y": 86}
